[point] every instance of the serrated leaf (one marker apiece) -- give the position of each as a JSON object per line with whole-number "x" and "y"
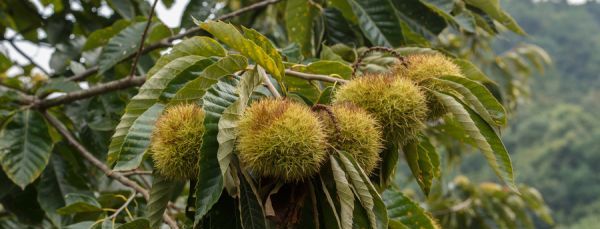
{"x": 121, "y": 46}
{"x": 387, "y": 167}
{"x": 344, "y": 7}
{"x": 230, "y": 117}
{"x": 470, "y": 70}
{"x": 167, "y": 81}
{"x": 199, "y": 10}
{"x": 402, "y": 209}
{"x": 421, "y": 165}
{"x": 377, "y": 20}
{"x": 338, "y": 30}
{"x": 299, "y": 22}
{"x": 492, "y": 8}
{"x": 194, "y": 46}
{"x": 344, "y": 194}
{"x": 251, "y": 210}
{"x": 419, "y": 18}
{"x": 479, "y": 97}
{"x": 484, "y": 137}
{"x": 251, "y": 44}
{"x": 101, "y": 36}
{"x": 137, "y": 139}
{"x": 135, "y": 224}
{"x": 366, "y": 192}
{"x": 77, "y": 203}
{"x": 327, "y": 67}
{"x": 195, "y": 89}
{"x": 25, "y": 147}
{"x": 160, "y": 193}
{"x": 210, "y": 181}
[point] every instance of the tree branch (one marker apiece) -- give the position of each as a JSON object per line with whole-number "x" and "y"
{"x": 141, "y": 44}
{"x": 167, "y": 42}
{"x": 11, "y": 42}
{"x": 90, "y": 92}
{"x": 308, "y": 76}
{"x": 99, "y": 164}
{"x": 270, "y": 86}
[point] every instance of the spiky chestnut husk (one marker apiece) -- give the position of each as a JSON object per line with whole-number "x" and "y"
{"x": 351, "y": 129}
{"x": 397, "y": 103}
{"x": 419, "y": 68}
{"x": 176, "y": 141}
{"x": 281, "y": 139}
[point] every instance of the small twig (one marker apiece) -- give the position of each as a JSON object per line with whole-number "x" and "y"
{"x": 99, "y": 164}
{"x": 27, "y": 57}
{"x": 141, "y": 44}
{"x": 119, "y": 210}
{"x": 309, "y": 76}
{"x": 90, "y": 92}
{"x": 136, "y": 172}
{"x": 267, "y": 82}
{"x": 359, "y": 60}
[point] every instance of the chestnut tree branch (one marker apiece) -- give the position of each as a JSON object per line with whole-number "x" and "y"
{"x": 141, "y": 44}
{"x": 88, "y": 156}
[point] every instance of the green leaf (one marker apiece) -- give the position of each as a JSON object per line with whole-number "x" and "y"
{"x": 125, "y": 8}
{"x": 198, "y": 10}
{"x": 121, "y": 46}
{"x": 366, "y": 192}
{"x": 251, "y": 44}
{"x": 58, "y": 85}
{"x": 492, "y": 8}
{"x": 378, "y": 22}
{"x": 421, "y": 165}
{"x": 299, "y": 22}
{"x": 471, "y": 71}
{"x": 210, "y": 181}
{"x": 419, "y": 18}
{"x": 387, "y": 168}
{"x": 230, "y": 117}
{"x": 344, "y": 194}
{"x": 484, "y": 137}
{"x": 479, "y": 97}
{"x": 402, "y": 209}
{"x": 160, "y": 194}
{"x": 251, "y": 210}
{"x": 195, "y": 89}
{"x": 137, "y": 139}
{"x": 135, "y": 224}
{"x": 327, "y": 67}
{"x": 25, "y": 147}
{"x": 166, "y": 81}
{"x": 344, "y": 7}
{"x": 77, "y": 203}
{"x": 194, "y": 46}
{"x": 101, "y": 37}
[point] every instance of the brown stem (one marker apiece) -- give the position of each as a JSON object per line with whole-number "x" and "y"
{"x": 359, "y": 60}
{"x": 141, "y": 44}
{"x": 309, "y": 76}
{"x": 267, "y": 82}
{"x": 99, "y": 164}
{"x": 27, "y": 57}
{"x": 90, "y": 92}
{"x": 120, "y": 209}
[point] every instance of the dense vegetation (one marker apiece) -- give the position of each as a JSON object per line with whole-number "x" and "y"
{"x": 254, "y": 122}
{"x": 554, "y": 136}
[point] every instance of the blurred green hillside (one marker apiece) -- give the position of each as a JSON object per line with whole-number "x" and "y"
{"x": 555, "y": 137}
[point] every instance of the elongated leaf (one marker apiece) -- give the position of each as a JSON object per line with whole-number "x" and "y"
{"x": 160, "y": 193}
{"x": 419, "y": 18}
{"x": 210, "y": 181}
{"x": 344, "y": 194}
{"x": 135, "y": 224}
{"x": 420, "y": 165}
{"x": 101, "y": 36}
{"x": 387, "y": 168}
{"x": 479, "y": 97}
{"x": 250, "y": 46}
{"x": 484, "y": 137}
{"x": 137, "y": 139}
{"x": 378, "y": 22}
{"x": 194, "y": 46}
{"x": 471, "y": 71}
{"x": 121, "y": 46}
{"x": 251, "y": 210}
{"x": 298, "y": 22}
{"x": 77, "y": 203}
{"x": 198, "y": 10}
{"x": 168, "y": 79}
{"x": 402, "y": 209}
{"x": 492, "y": 7}
{"x": 228, "y": 122}
{"x": 195, "y": 89}
{"x": 25, "y": 147}
{"x": 366, "y": 192}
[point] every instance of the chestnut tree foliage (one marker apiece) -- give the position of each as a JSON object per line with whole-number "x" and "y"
{"x": 74, "y": 141}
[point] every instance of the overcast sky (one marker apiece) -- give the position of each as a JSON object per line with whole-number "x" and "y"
{"x": 171, "y": 17}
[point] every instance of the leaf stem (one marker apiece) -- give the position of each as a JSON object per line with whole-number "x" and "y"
{"x": 267, "y": 82}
